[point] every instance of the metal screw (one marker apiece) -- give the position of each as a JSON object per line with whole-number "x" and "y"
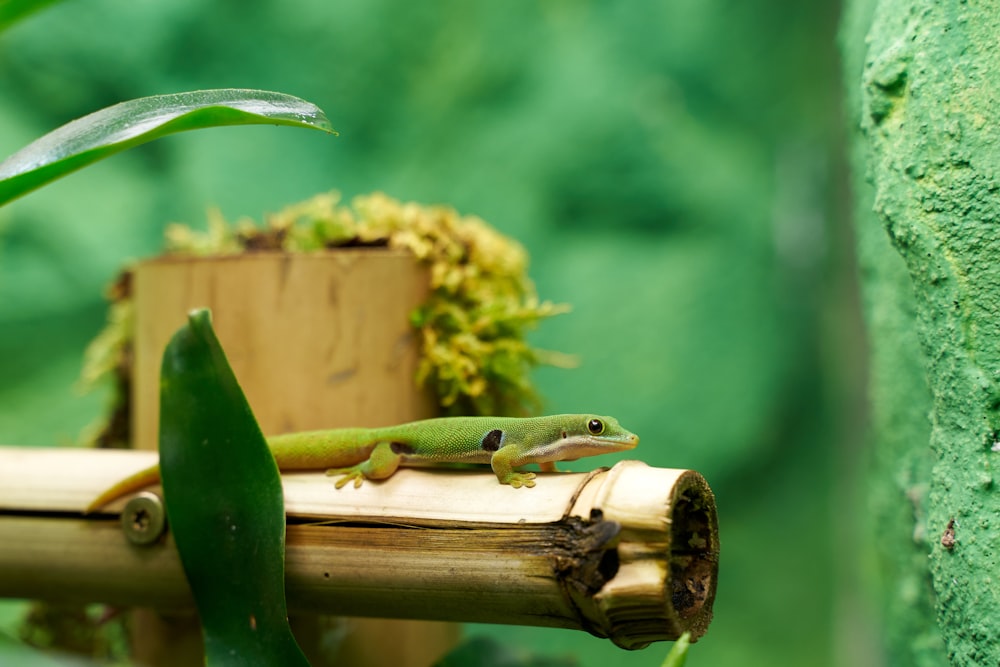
{"x": 144, "y": 519}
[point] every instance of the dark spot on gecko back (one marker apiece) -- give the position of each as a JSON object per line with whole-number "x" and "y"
{"x": 400, "y": 448}
{"x": 492, "y": 440}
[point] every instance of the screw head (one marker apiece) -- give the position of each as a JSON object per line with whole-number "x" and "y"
{"x": 144, "y": 519}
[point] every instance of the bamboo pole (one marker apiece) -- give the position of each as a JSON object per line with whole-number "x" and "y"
{"x": 630, "y": 554}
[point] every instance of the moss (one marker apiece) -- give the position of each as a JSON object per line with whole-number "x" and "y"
{"x": 473, "y": 326}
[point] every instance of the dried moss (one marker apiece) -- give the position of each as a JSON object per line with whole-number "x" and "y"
{"x": 472, "y": 328}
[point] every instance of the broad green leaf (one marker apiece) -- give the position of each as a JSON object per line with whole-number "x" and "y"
{"x": 116, "y": 128}
{"x": 224, "y": 503}
{"x": 12, "y": 11}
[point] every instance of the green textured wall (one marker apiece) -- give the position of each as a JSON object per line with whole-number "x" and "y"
{"x": 925, "y": 92}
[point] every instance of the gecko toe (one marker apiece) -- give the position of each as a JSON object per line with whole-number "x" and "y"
{"x": 348, "y": 475}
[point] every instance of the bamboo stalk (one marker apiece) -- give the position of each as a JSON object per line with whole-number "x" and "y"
{"x": 629, "y": 553}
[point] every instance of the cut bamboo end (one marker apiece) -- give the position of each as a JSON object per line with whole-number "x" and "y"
{"x": 667, "y": 555}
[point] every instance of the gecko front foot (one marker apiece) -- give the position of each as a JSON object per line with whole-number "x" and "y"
{"x": 352, "y": 473}
{"x": 519, "y": 479}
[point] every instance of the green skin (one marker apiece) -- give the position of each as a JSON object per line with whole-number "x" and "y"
{"x": 505, "y": 443}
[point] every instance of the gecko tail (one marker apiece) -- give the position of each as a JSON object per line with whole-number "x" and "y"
{"x": 128, "y": 485}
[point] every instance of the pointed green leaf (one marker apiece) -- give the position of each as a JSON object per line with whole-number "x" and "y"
{"x": 678, "y": 653}
{"x": 224, "y": 503}
{"x": 116, "y": 128}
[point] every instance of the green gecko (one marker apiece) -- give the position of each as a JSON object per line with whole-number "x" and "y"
{"x": 375, "y": 453}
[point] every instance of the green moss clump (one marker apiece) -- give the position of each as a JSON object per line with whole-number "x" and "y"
{"x": 473, "y": 326}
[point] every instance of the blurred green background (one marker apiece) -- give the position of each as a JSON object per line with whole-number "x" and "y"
{"x": 675, "y": 169}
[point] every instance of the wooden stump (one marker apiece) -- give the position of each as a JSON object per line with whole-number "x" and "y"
{"x": 316, "y": 341}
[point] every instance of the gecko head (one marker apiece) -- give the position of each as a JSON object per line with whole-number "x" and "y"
{"x": 589, "y": 435}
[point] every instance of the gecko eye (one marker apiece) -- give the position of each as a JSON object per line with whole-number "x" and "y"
{"x": 595, "y": 426}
